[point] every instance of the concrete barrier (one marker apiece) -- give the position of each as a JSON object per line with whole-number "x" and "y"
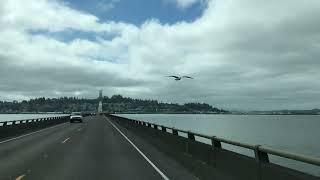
{"x": 211, "y": 161}
{"x": 18, "y": 127}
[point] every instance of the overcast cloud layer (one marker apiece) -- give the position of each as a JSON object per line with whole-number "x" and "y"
{"x": 244, "y": 54}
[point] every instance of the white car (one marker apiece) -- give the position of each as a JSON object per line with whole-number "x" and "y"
{"x": 76, "y": 116}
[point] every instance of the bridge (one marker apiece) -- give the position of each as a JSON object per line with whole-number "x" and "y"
{"x": 112, "y": 147}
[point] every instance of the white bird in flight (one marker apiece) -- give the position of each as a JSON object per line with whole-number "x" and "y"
{"x": 178, "y": 78}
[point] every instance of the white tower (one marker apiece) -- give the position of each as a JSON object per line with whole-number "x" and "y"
{"x": 100, "y": 107}
{"x": 100, "y": 102}
{"x": 100, "y": 95}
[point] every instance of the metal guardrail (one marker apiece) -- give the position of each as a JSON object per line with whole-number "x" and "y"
{"x": 261, "y": 152}
{"x": 16, "y": 127}
{"x": 14, "y": 122}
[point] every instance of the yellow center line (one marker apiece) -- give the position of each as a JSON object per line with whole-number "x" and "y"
{"x": 65, "y": 140}
{"x": 20, "y": 177}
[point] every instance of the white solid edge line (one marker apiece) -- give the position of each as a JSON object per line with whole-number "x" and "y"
{"x": 143, "y": 155}
{"x": 8, "y": 140}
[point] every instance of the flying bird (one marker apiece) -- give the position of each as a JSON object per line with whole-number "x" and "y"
{"x": 178, "y": 78}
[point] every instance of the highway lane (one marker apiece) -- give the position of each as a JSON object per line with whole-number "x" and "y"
{"x": 94, "y": 149}
{"x": 19, "y": 155}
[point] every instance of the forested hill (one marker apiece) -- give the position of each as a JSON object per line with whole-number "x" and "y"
{"x": 116, "y": 103}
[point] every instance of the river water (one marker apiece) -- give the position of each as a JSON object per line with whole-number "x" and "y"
{"x": 294, "y": 133}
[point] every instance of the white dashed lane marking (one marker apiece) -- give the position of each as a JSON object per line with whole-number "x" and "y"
{"x": 65, "y": 140}
{"x": 20, "y": 177}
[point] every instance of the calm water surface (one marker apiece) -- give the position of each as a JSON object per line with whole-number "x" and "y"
{"x": 299, "y": 134}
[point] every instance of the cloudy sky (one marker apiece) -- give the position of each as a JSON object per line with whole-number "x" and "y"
{"x": 244, "y": 54}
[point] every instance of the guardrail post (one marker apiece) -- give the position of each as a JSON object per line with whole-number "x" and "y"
{"x": 261, "y": 157}
{"x": 191, "y": 136}
{"x": 174, "y": 132}
{"x": 155, "y": 126}
{"x": 149, "y": 125}
{"x": 216, "y": 143}
{"x": 163, "y": 129}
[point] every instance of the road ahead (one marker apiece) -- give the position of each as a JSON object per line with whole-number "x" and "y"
{"x": 95, "y": 149}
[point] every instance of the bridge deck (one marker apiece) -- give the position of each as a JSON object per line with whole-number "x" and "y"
{"x": 94, "y": 149}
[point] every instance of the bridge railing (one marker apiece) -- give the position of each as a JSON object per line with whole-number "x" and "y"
{"x": 17, "y": 127}
{"x": 216, "y": 142}
{"x": 261, "y": 153}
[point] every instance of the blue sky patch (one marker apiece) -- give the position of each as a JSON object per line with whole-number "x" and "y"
{"x": 137, "y": 11}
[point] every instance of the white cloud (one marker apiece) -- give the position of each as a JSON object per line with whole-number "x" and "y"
{"x": 243, "y": 54}
{"x": 51, "y": 16}
{"x": 185, "y": 3}
{"x": 107, "y": 5}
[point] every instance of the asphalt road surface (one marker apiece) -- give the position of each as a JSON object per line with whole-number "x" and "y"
{"x": 96, "y": 149}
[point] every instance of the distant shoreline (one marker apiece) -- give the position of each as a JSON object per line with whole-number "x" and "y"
{"x": 223, "y": 114}
{"x": 163, "y": 113}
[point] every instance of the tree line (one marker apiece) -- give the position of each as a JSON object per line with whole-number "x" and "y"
{"x": 113, "y": 104}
